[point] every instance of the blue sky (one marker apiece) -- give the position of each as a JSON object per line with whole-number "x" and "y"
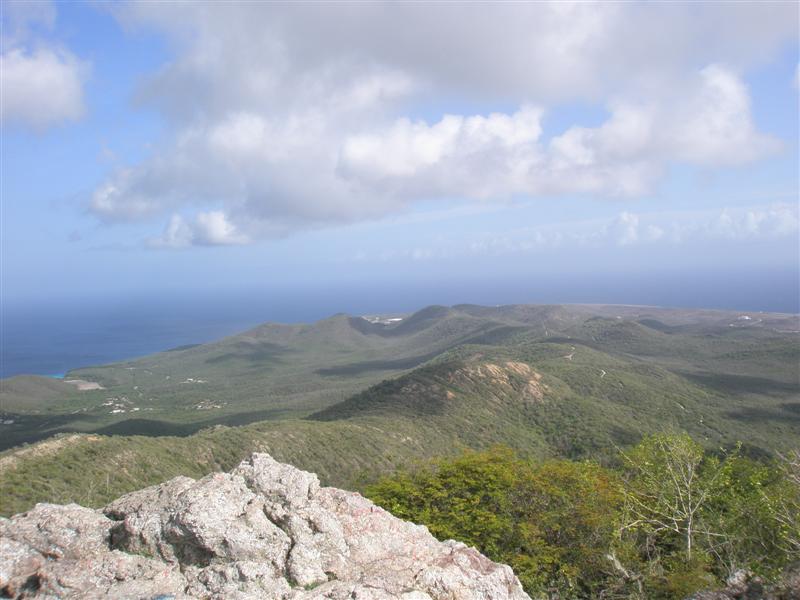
{"x": 153, "y": 147}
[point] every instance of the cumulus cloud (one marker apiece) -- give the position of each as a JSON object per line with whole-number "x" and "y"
{"x": 625, "y": 229}
{"x": 753, "y": 223}
{"x": 207, "y": 229}
{"x": 473, "y": 156}
{"x": 715, "y": 127}
{"x": 627, "y": 232}
{"x": 282, "y": 121}
{"x": 41, "y": 83}
{"x": 40, "y": 88}
{"x": 768, "y": 222}
{"x": 502, "y": 155}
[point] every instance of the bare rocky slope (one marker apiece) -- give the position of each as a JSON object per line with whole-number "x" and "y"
{"x": 264, "y": 530}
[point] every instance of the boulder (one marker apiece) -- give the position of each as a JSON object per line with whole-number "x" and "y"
{"x": 266, "y": 530}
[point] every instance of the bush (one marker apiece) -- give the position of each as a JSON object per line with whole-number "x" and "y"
{"x": 675, "y": 519}
{"x": 552, "y": 522}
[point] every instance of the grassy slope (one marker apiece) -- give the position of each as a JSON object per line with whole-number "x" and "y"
{"x": 457, "y": 400}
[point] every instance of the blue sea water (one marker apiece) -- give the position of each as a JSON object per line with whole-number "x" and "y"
{"x": 50, "y": 337}
{"x": 52, "y": 341}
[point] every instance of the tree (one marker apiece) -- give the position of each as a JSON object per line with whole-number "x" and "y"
{"x": 466, "y": 498}
{"x": 695, "y": 518}
{"x": 670, "y": 483}
{"x": 567, "y": 514}
{"x": 744, "y": 516}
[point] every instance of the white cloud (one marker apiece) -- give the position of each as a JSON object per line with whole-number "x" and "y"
{"x": 208, "y": 229}
{"x": 543, "y": 51}
{"x": 41, "y": 83}
{"x": 626, "y": 229}
{"x": 23, "y": 20}
{"x": 715, "y": 127}
{"x": 501, "y": 155}
{"x": 273, "y": 172}
{"x": 689, "y": 232}
{"x": 473, "y": 156}
{"x": 769, "y": 222}
{"x": 115, "y": 199}
{"x": 754, "y": 223}
{"x": 177, "y": 234}
{"x": 41, "y": 88}
{"x": 286, "y": 122}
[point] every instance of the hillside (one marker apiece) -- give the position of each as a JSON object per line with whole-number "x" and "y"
{"x": 290, "y": 371}
{"x": 271, "y": 372}
{"x": 590, "y": 382}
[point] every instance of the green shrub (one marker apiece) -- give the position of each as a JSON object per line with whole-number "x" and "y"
{"x": 672, "y": 520}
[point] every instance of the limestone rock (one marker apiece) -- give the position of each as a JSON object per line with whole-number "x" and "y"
{"x": 265, "y": 530}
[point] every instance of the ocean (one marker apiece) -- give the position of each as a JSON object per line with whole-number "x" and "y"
{"x": 50, "y": 337}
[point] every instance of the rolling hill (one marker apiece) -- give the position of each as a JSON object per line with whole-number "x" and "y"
{"x": 351, "y": 398}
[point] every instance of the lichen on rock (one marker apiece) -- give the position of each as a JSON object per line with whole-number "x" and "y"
{"x": 265, "y": 530}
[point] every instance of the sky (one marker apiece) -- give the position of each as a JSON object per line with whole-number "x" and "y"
{"x": 156, "y": 147}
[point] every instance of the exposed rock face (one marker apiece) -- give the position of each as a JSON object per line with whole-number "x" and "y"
{"x": 265, "y": 530}
{"x": 516, "y": 379}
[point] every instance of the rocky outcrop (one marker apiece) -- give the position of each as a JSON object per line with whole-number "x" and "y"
{"x": 514, "y": 379}
{"x": 265, "y": 530}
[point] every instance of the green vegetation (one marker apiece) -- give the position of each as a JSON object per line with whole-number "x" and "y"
{"x": 672, "y": 519}
{"x": 272, "y": 372}
{"x": 743, "y": 372}
{"x": 504, "y": 377}
{"x": 545, "y": 427}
